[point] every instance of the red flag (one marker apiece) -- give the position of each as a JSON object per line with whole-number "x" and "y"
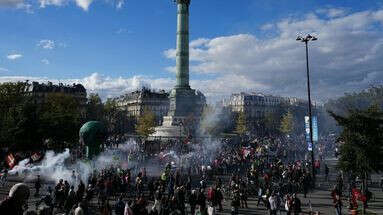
{"x": 11, "y": 161}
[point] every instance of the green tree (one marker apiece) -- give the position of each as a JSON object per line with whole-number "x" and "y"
{"x": 287, "y": 123}
{"x": 94, "y": 108}
{"x": 19, "y": 123}
{"x": 362, "y": 136}
{"x": 241, "y": 127}
{"x": 357, "y": 100}
{"x": 272, "y": 122}
{"x": 61, "y": 118}
{"x": 146, "y": 123}
{"x": 115, "y": 118}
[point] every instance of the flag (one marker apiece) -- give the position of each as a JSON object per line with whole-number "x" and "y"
{"x": 245, "y": 152}
{"x": 36, "y": 156}
{"x": 11, "y": 161}
{"x": 357, "y": 194}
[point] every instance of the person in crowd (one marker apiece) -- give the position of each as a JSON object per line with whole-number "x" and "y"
{"x": 296, "y": 205}
{"x": 37, "y": 186}
{"x": 193, "y": 201}
{"x": 48, "y": 201}
{"x": 235, "y": 202}
{"x": 80, "y": 191}
{"x": 337, "y": 204}
{"x": 79, "y": 210}
{"x": 106, "y": 209}
{"x": 288, "y": 204}
{"x": 326, "y": 171}
{"x": 3, "y": 178}
{"x": 16, "y": 201}
{"x": 273, "y": 204}
{"x": 119, "y": 207}
{"x": 70, "y": 200}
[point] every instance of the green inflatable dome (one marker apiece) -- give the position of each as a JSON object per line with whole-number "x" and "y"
{"x": 92, "y": 136}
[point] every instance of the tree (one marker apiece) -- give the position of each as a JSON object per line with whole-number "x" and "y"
{"x": 357, "y": 100}
{"x": 61, "y": 118}
{"x": 146, "y": 123}
{"x": 115, "y": 118}
{"x": 94, "y": 108}
{"x": 362, "y": 136}
{"x": 272, "y": 122}
{"x": 287, "y": 123}
{"x": 241, "y": 127}
{"x": 19, "y": 125}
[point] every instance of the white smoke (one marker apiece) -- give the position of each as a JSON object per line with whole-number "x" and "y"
{"x": 56, "y": 166}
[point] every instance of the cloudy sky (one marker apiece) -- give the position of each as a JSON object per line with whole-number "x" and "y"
{"x": 114, "y": 46}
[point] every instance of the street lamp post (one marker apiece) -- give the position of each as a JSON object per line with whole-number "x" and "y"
{"x": 306, "y": 39}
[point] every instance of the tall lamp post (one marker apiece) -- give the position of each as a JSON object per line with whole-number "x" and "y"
{"x": 305, "y": 40}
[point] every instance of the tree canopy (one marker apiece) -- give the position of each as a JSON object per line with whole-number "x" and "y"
{"x": 287, "y": 123}
{"x": 146, "y": 123}
{"x": 241, "y": 127}
{"x": 361, "y": 150}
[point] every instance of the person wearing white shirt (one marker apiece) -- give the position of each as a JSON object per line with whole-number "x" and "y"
{"x": 273, "y": 204}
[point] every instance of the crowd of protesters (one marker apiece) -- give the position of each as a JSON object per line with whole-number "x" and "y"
{"x": 272, "y": 170}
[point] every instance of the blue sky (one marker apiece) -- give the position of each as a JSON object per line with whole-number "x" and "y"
{"x": 113, "y": 46}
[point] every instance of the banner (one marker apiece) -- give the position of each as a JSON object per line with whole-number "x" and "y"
{"x": 36, "y": 156}
{"x": 307, "y": 133}
{"x": 11, "y": 161}
{"x": 315, "y": 129}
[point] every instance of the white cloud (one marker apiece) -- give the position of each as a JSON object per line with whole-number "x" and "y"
{"x": 345, "y": 58}
{"x": 14, "y": 56}
{"x": 107, "y": 86}
{"x": 332, "y": 12}
{"x": 3, "y": 69}
{"x": 267, "y": 27}
{"x": 44, "y": 3}
{"x": 120, "y": 4}
{"x": 46, "y": 44}
{"x": 25, "y": 6}
{"x": 171, "y": 69}
{"x": 104, "y": 85}
{"x": 123, "y": 31}
{"x": 84, "y": 4}
{"x": 11, "y": 3}
{"x": 18, "y": 4}
{"x": 45, "y": 61}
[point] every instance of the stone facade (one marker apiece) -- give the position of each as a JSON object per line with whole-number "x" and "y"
{"x": 40, "y": 91}
{"x": 135, "y": 103}
{"x": 257, "y": 105}
{"x": 254, "y": 105}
